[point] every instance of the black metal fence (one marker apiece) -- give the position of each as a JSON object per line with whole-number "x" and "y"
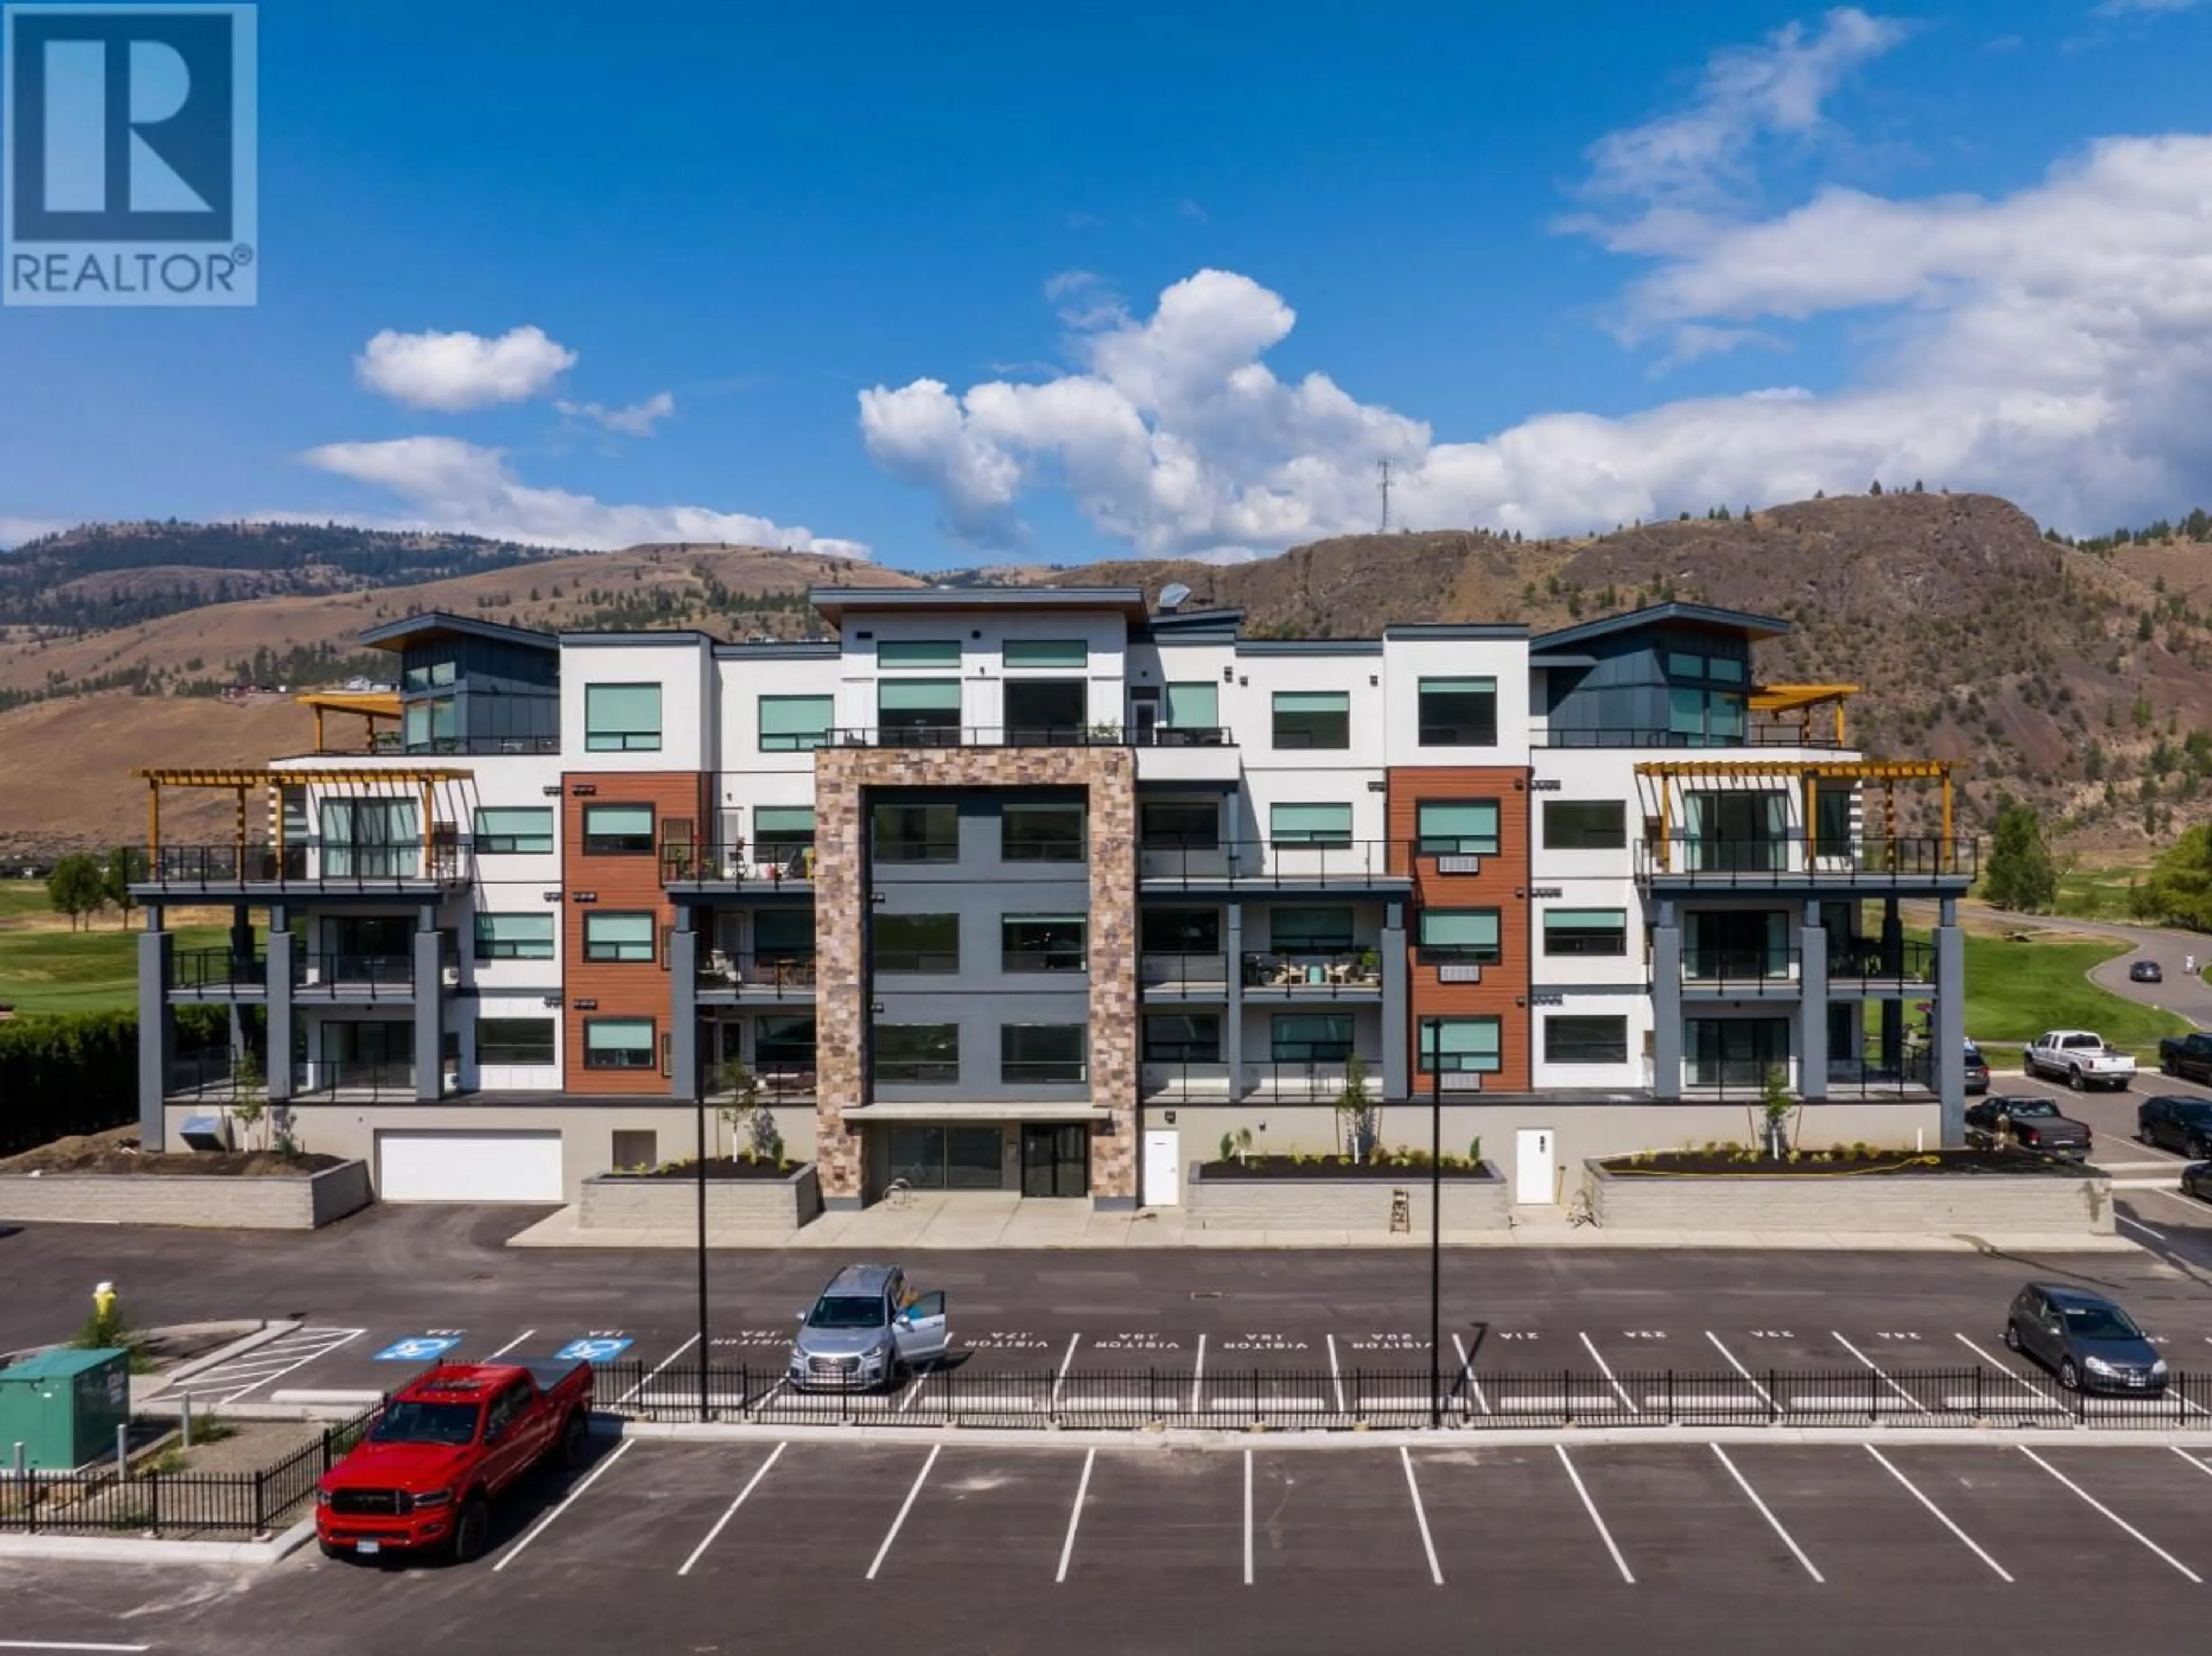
{"x": 95, "y": 1501}
{"x": 1321, "y": 1399}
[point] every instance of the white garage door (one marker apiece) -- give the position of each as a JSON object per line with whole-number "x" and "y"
{"x": 438, "y": 1165}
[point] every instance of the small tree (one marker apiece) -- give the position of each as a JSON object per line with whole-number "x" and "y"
{"x": 746, "y": 1117}
{"x": 1774, "y": 1111}
{"x": 76, "y": 888}
{"x": 2020, "y": 873}
{"x": 1356, "y": 1107}
{"x": 249, "y": 1096}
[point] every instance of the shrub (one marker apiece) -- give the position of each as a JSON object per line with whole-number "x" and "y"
{"x": 65, "y": 1075}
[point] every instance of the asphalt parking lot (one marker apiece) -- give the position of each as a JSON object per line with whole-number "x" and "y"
{"x": 2152, "y": 1210}
{"x": 706, "y": 1547}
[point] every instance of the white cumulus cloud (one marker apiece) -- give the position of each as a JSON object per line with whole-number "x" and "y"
{"x": 455, "y": 372}
{"x": 447, "y": 485}
{"x": 15, "y": 531}
{"x": 637, "y": 420}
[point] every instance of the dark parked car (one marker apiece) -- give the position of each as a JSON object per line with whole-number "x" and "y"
{"x": 2146, "y": 971}
{"x": 2176, "y": 1123}
{"x": 2025, "y": 1122}
{"x": 1977, "y": 1071}
{"x": 2196, "y": 1180}
{"x": 2089, "y": 1342}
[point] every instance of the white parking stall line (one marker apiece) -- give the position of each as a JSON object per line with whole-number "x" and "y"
{"x": 2191, "y": 1458}
{"x": 227, "y": 1382}
{"x": 923, "y": 1378}
{"x": 1198, "y": 1375}
{"x": 1942, "y": 1517}
{"x": 55, "y": 1644}
{"x": 1247, "y": 1518}
{"x": 569, "y": 1500}
{"x": 2100, "y": 1506}
{"x": 1766, "y": 1513}
{"x": 1421, "y": 1516}
{"x": 510, "y": 1345}
{"x": 2136, "y": 1224}
{"x": 1590, "y": 1507}
{"x": 906, "y": 1506}
{"x": 1075, "y": 1514}
{"x": 2011, "y": 1374}
{"x": 722, "y": 1522}
{"x": 1764, "y": 1395}
{"x": 1060, "y": 1379}
{"x": 1621, "y": 1392}
{"x": 653, "y": 1373}
{"x": 1335, "y": 1374}
{"x": 1466, "y": 1374}
{"x": 1885, "y": 1378}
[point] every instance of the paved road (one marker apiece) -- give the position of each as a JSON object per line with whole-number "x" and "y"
{"x": 2186, "y": 996}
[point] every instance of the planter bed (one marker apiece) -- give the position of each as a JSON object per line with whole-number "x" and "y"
{"x": 1265, "y": 1167}
{"x": 1876, "y": 1164}
{"x": 300, "y": 1194}
{"x": 719, "y": 1167}
{"x": 1940, "y": 1193}
{"x": 755, "y": 1200}
{"x": 1331, "y": 1193}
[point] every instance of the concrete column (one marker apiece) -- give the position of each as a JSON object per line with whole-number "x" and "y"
{"x": 157, "y": 1028}
{"x": 684, "y": 1008}
{"x": 1232, "y": 1017}
{"x": 278, "y": 1069}
{"x": 429, "y": 1009}
{"x": 1813, "y": 1007}
{"x": 1397, "y": 1023}
{"x": 1666, "y": 1008}
{"x": 1949, "y": 1057}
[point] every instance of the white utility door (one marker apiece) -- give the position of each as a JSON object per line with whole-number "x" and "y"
{"x": 1162, "y": 1167}
{"x": 431, "y": 1165}
{"x": 1532, "y": 1165}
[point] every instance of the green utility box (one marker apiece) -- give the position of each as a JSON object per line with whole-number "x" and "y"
{"x": 64, "y": 1406}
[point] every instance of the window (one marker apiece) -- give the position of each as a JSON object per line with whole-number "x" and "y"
{"x": 1585, "y": 824}
{"x": 919, "y": 653}
{"x": 917, "y": 1052}
{"x": 1182, "y": 1038}
{"x": 1456, "y": 827}
{"x": 783, "y": 1044}
{"x": 617, "y": 830}
{"x": 1194, "y": 707}
{"x": 1309, "y": 825}
{"x": 793, "y": 724}
{"x": 917, "y": 942}
{"x": 1312, "y": 1037}
{"x": 1046, "y": 652}
{"x": 516, "y": 1040}
{"x": 1043, "y": 1054}
{"x": 918, "y": 712}
{"x": 1459, "y": 712}
{"x": 1313, "y": 718}
{"x": 1585, "y": 1040}
{"x": 1180, "y": 931}
{"x": 429, "y": 675}
{"x": 1697, "y": 715}
{"x": 1046, "y": 713}
{"x": 1180, "y": 825}
{"x": 1461, "y": 1046}
{"x": 371, "y": 839}
{"x": 783, "y": 935}
{"x": 1311, "y": 931}
{"x": 621, "y": 937}
{"x": 514, "y": 937}
{"x": 1045, "y": 942}
{"x": 1462, "y": 934}
{"x": 502, "y": 830}
{"x": 1585, "y": 931}
{"x": 432, "y": 726}
{"x": 917, "y": 833}
{"x": 782, "y": 832}
{"x": 622, "y": 718}
{"x": 618, "y": 1043}
{"x": 1044, "y": 833}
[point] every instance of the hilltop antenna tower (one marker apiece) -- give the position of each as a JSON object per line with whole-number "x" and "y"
{"x": 1382, "y": 470}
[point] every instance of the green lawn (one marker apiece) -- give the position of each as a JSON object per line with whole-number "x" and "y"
{"x": 21, "y": 896}
{"x": 93, "y": 970}
{"x": 2015, "y": 991}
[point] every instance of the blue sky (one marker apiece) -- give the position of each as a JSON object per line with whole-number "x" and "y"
{"x": 880, "y": 280}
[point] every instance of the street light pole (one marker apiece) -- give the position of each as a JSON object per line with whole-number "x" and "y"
{"x": 1435, "y": 1218}
{"x": 700, "y": 1168}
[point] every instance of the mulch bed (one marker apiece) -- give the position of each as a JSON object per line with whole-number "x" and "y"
{"x": 1391, "y": 1172}
{"x": 1879, "y": 1164}
{"x": 117, "y": 1152}
{"x": 719, "y": 1167}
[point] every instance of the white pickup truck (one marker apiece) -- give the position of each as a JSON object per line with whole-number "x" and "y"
{"x": 2079, "y": 1058}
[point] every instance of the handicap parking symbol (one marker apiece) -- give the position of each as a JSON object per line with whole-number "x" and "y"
{"x": 598, "y": 1349}
{"x": 420, "y": 1348}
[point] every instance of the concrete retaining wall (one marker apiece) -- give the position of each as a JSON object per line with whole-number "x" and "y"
{"x": 670, "y": 1206}
{"x": 1344, "y": 1204}
{"x": 203, "y": 1201}
{"x": 1968, "y": 1204}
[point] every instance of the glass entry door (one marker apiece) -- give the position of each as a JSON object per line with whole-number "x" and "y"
{"x": 1056, "y": 1158}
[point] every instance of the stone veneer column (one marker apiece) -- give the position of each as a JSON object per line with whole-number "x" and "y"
{"x": 840, "y": 912}
{"x": 1114, "y": 1048}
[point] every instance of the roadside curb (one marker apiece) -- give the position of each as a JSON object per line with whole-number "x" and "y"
{"x": 137, "y": 1550}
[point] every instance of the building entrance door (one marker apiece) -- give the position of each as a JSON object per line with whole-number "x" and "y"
{"x": 1056, "y": 1158}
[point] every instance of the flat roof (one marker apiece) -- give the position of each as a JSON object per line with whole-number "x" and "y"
{"x": 836, "y": 602}
{"x": 431, "y": 625}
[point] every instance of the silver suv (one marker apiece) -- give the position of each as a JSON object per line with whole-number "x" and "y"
{"x": 867, "y": 1329}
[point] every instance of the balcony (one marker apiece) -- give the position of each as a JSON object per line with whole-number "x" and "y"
{"x": 352, "y": 1078}
{"x": 1164, "y": 975}
{"x": 736, "y": 868}
{"x": 1755, "y": 735}
{"x": 1347, "y": 975}
{"x": 1702, "y": 862}
{"x": 390, "y": 741}
{"x": 354, "y": 976}
{"x": 1317, "y": 1080}
{"x": 217, "y": 974}
{"x": 767, "y": 977}
{"x": 1739, "y": 973}
{"x": 311, "y": 867}
{"x": 1202, "y": 1078}
{"x": 1865, "y": 961}
{"x": 933, "y": 735}
{"x": 773, "y": 1085}
{"x": 1288, "y": 865}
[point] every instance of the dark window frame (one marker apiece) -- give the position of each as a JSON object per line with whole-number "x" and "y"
{"x": 495, "y": 1053}
{"x": 609, "y": 955}
{"x": 1602, "y": 838}
{"x": 1478, "y": 954}
{"x": 924, "y": 850}
{"x": 914, "y": 1070}
{"x": 1460, "y": 1063}
{"x": 651, "y": 1050}
{"x": 1331, "y": 735}
{"x": 491, "y": 948}
{"x": 1045, "y": 1071}
{"x": 620, "y": 845}
{"x": 1038, "y": 850}
{"x": 510, "y": 844}
{"x": 911, "y": 961}
{"x": 1585, "y": 1048}
{"x": 1152, "y": 839}
{"x": 1482, "y": 731}
{"x": 1588, "y": 942}
{"x": 1458, "y": 844}
{"x": 626, "y": 742}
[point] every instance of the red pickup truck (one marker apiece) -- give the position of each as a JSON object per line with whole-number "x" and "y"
{"x": 449, "y": 1444}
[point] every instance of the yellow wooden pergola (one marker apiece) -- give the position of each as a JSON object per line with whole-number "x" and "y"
{"x": 1785, "y": 701}
{"x": 243, "y": 783}
{"x": 371, "y": 705}
{"x": 1808, "y": 774}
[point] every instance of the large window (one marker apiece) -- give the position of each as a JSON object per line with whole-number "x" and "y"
{"x": 782, "y": 832}
{"x": 783, "y": 935}
{"x": 1179, "y": 824}
{"x": 917, "y": 833}
{"x": 371, "y": 839}
{"x": 783, "y": 1044}
{"x": 432, "y": 726}
{"x": 1044, "y": 833}
{"x": 918, "y": 653}
{"x": 429, "y": 675}
{"x": 1585, "y": 1040}
{"x": 1459, "y": 712}
{"x": 918, "y": 712}
{"x": 1585, "y": 824}
{"x": 622, "y": 718}
{"x": 1311, "y": 931}
{"x": 1585, "y": 931}
{"x": 1044, "y": 1054}
{"x": 627, "y": 938}
{"x": 1182, "y": 1038}
{"x": 1313, "y": 718}
{"x": 1461, "y": 1046}
{"x": 1456, "y": 827}
{"x": 1047, "y": 712}
{"x": 907, "y": 943}
{"x": 1046, "y": 653}
{"x": 793, "y": 724}
{"x": 514, "y": 936}
{"x": 1461, "y": 935}
{"x": 516, "y": 1041}
{"x": 618, "y": 1043}
{"x": 617, "y": 830}
{"x": 1705, "y": 698}
{"x": 917, "y": 1052}
{"x": 1309, "y": 825}
{"x": 1194, "y": 707}
{"x": 1311, "y": 1036}
{"x": 502, "y": 830}
{"x": 1045, "y": 942}
{"x": 1179, "y": 931}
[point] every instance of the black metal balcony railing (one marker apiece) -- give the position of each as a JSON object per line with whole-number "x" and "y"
{"x": 1908, "y": 960}
{"x": 1043, "y": 1072}
{"x": 773, "y": 1084}
{"x": 313, "y": 864}
{"x": 1184, "y": 736}
{"x": 1324, "y": 974}
{"x": 886, "y": 848}
{"x": 201, "y": 971}
{"x": 1752, "y": 970}
{"x": 1274, "y": 863}
{"x": 201, "y": 1072}
{"x": 950, "y": 735}
{"x": 1868, "y": 1072}
{"x": 770, "y": 865}
{"x": 1755, "y": 735}
{"x": 776, "y": 974}
{"x": 1206, "y": 969}
{"x": 353, "y": 1078}
{"x": 391, "y": 742}
{"x": 1072, "y": 956}
{"x": 1306, "y": 1073}
{"x": 1769, "y": 860}
{"x": 374, "y": 974}
{"x": 917, "y": 1072}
